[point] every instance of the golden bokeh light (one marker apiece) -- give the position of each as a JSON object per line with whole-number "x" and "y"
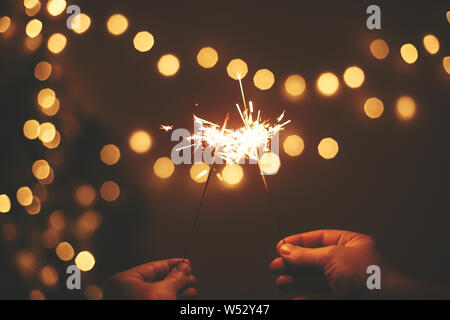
{"x": 295, "y": 85}
{"x": 269, "y": 163}
{"x": 85, "y": 261}
{"x": 354, "y": 77}
{"x": 56, "y": 43}
{"x": 93, "y": 292}
{"x": 5, "y": 203}
{"x": 409, "y": 53}
{"x": 87, "y": 224}
{"x": 80, "y": 23}
{"x": 199, "y": 172}
{"x": 64, "y": 251}
{"x": 24, "y": 196}
{"x": 26, "y": 262}
{"x": 406, "y": 107}
{"x": 46, "y": 98}
{"x": 33, "y": 28}
{"x": 448, "y": 16}
{"x": 5, "y": 23}
{"x": 41, "y": 169}
{"x": 232, "y": 173}
{"x": 32, "y": 44}
{"x": 327, "y": 84}
{"x": 56, "y": 7}
{"x": 328, "y": 148}
{"x": 54, "y": 143}
{"x": 143, "y": 41}
{"x": 85, "y": 195}
{"x": 47, "y": 132}
{"x": 431, "y": 44}
{"x": 110, "y": 191}
{"x": 53, "y": 110}
{"x": 37, "y": 295}
{"x": 207, "y": 57}
{"x": 379, "y": 49}
{"x": 293, "y": 145}
{"x": 163, "y": 167}
{"x": 49, "y": 276}
{"x": 57, "y": 220}
{"x": 49, "y": 179}
{"x": 373, "y": 107}
{"x": 236, "y": 68}
{"x": 264, "y": 79}
{"x": 110, "y": 154}
{"x": 31, "y": 129}
{"x": 29, "y": 4}
{"x": 446, "y": 64}
{"x": 117, "y": 24}
{"x": 140, "y": 141}
{"x": 35, "y": 207}
{"x": 33, "y": 10}
{"x": 43, "y": 70}
{"x": 168, "y": 65}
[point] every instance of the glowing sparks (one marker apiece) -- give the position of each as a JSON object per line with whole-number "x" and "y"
{"x": 166, "y": 128}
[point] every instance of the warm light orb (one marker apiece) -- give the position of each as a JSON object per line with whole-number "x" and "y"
{"x": 5, "y": 23}
{"x": 43, "y": 70}
{"x": 446, "y": 64}
{"x": 31, "y": 129}
{"x": 373, "y": 107}
{"x": 53, "y": 110}
{"x": 80, "y": 23}
{"x": 29, "y": 4}
{"x": 354, "y": 77}
{"x": 33, "y": 28}
{"x": 5, "y": 203}
{"x": 293, "y": 145}
{"x": 264, "y": 79}
{"x": 295, "y": 85}
{"x": 406, "y": 107}
{"x": 327, "y": 83}
{"x": 207, "y": 57}
{"x": 110, "y": 154}
{"x": 93, "y": 293}
{"x": 379, "y": 49}
{"x": 140, "y": 141}
{"x": 328, "y": 148}
{"x": 36, "y": 295}
{"x": 85, "y": 261}
{"x": 35, "y": 207}
{"x": 46, "y": 98}
{"x": 110, "y": 191}
{"x": 431, "y": 44}
{"x": 33, "y": 10}
{"x": 409, "y": 53}
{"x": 49, "y": 276}
{"x": 85, "y": 195}
{"x": 41, "y": 169}
{"x": 54, "y": 143}
{"x": 117, "y": 24}
{"x": 448, "y": 16}
{"x": 57, "y": 220}
{"x": 168, "y": 65}
{"x": 56, "y": 7}
{"x": 269, "y": 163}
{"x": 64, "y": 251}
{"x": 232, "y": 173}
{"x": 24, "y": 196}
{"x": 47, "y": 132}
{"x": 32, "y": 44}
{"x": 199, "y": 172}
{"x": 163, "y": 167}
{"x": 236, "y": 68}
{"x": 56, "y": 43}
{"x": 143, "y": 41}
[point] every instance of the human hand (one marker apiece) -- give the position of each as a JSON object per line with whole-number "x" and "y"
{"x": 157, "y": 280}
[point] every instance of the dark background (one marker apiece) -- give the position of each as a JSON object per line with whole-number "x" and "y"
{"x": 390, "y": 178}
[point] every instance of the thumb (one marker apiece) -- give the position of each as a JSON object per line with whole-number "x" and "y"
{"x": 300, "y": 256}
{"x": 178, "y": 277}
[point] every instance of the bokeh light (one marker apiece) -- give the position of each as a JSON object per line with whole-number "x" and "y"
{"x": 110, "y": 154}
{"x": 56, "y": 43}
{"x": 33, "y": 10}
{"x": 168, "y": 65}
{"x": 50, "y": 238}
{"x": 36, "y": 295}
{"x": 409, "y": 53}
{"x": 29, "y": 4}
{"x": 80, "y": 23}
{"x": 92, "y": 292}
{"x": 293, "y": 145}
{"x": 43, "y": 70}
{"x": 35, "y": 207}
{"x": 207, "y": 57}
{"x": 406, "y": 107}
{"x": 85, "y": 195}
{"x": 269, "y": 163}
{"x": 41, "y": 169}
{"x": 431, "y": 44}
{"x": 328, "y": 148}
{"x": 56, "y": 7}
{"x": 47, "y": 132}
{"x": 54, "y": 143}
{"x": 373, "y": 107}
{"x": 295, "y": 85}
{"x": 24, "y": 196}
{"x": 117, "y": 24}
{"x": 5, "y": 203}
{"x": 140, "y": 141}
{"x": 64, "y": 251}
{"x": 26, "y": 262}
{"x": 46, "y": 98}
{"x": 87, "y": 224}
{"x": 57, "y": 220}
{"x": 32, "y": 44}
{"x": 49, "y": 276}
{"x": 354, "y": 77}
{"x": 31, "y": 129}
{"x": 5, "y": 23}
{"x": 85, "y": 261}
{"x": 143, "y": 41}
{"x": 236, "y": 68}
{"x": 199, "y": 172}
{"x": 53, "y": 110}
{"x": 232, "y": 173}
{"x": 163, "y": 167}
{"x": 33, "y": 28}
{"x": 264, "y": 79}
{"x": 109, "y": 191}
{"x": 327, "y": 83}
{"x": 446, "y": 64}
{"x": 379, "y": 49}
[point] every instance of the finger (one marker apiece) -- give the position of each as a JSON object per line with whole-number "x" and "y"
{"x": 320, "y": 238}
{"x": 156, "y": 270}
{"x": 286, "y": 283}
{"x": 299, "y": 256}
{"x": 189, "y": 294}
{"x": 278, "y": 266}
{"x": 179, "y": 277}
